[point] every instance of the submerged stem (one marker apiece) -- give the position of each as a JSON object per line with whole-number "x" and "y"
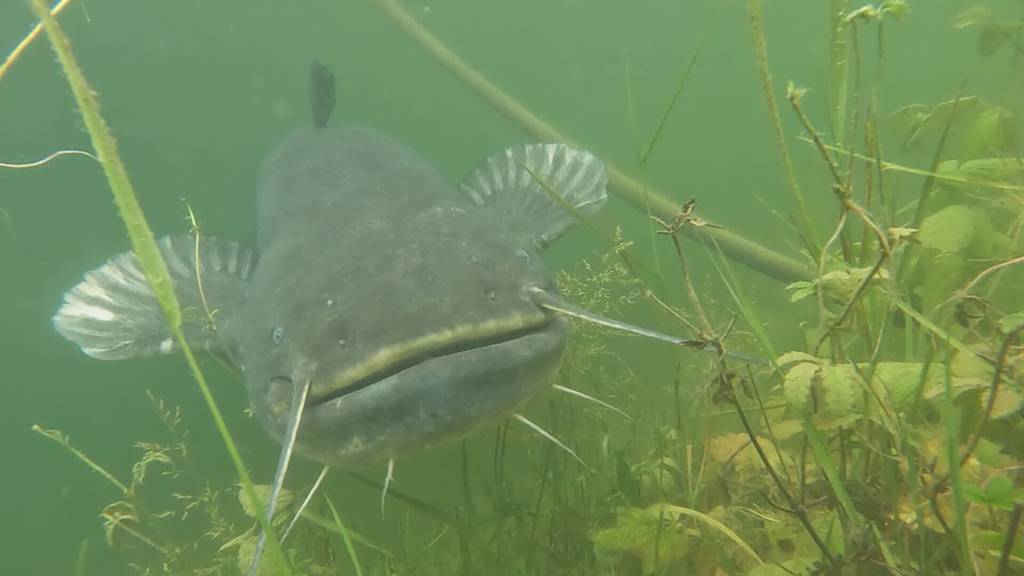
{"x": 143, "y": 243}
{"x": 756, "y": 15}
{"x": 644, "y": 198}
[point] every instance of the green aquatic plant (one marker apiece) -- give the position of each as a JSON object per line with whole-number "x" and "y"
{"x": 887, "y": 443}
{"x": 143, "y": 242}
{"x": 168, "y": 500}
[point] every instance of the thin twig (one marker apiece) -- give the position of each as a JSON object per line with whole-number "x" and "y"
{"x": 794, "y": 94}
{"x": 27, "y": 41}
{"x": 1011, "y": 537}
{"x": 46, "y": 159}
{"x": 993, "y": 392}
{"x": 961, "y": 293}
{"x": 794, "y": 508}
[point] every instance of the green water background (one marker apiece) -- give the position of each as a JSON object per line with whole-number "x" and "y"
{"x": 196, "y": 92}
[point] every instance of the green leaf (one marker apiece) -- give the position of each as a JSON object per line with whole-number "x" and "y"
{"x": 796, "y": 387}
{"x": 1012, "y": 323}
{"x": 898, "y": 381}
{"x": 991, "y": 454}
{"x": 981, "y": 170}
{"x": 1008, "y": 402}
{"x": 801, "y": 289}
{"x": 842, "y": 284}
{"x": 646, "y": 534}
{"x": 634, "y": 527}
{"x": 975, "y": 493}
{"x": 842, "y": 389}
{"x": 1000, "y": 492}
{"x": 950, "y": 230}
{"x": 284, "y": 498}
{"x": 796, "y": 356}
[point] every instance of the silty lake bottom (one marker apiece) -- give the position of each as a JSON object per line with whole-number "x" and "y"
{"x": 858, "y": 166}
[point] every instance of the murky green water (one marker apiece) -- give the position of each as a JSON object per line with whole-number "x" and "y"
{"x": 196, "y": 92}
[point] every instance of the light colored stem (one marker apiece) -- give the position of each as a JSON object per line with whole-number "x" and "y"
{"x": 143, "y": 243}
{"x": 643, "y": 197}
{"x": 761, "y": 55}
{"x": 28, "y": 39}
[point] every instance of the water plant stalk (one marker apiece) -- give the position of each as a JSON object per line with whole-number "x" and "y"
{"x": 1011, "y": 537}
{"x": 641, "y": 196}
{"x": 143, "y": 242}
{"x": 838, "y": 70}
{"x": 806, "y": 225}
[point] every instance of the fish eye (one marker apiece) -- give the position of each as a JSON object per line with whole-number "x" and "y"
{"x": 523, "y": 255}
{"x": 277, "y": 334}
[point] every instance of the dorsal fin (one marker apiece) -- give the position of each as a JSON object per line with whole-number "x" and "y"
{"x": 321, "y": 93}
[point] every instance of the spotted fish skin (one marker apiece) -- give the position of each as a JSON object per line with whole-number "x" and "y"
{"x": 402, "y": 297}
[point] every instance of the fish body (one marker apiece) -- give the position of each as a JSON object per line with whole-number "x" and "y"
{"x": 407, "y": 297}
{"x": 402, "y": 301}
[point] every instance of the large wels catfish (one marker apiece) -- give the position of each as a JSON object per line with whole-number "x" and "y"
{"x": 407, "y": 310}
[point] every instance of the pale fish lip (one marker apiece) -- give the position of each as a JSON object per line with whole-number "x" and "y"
{"x": 408, "y": 354}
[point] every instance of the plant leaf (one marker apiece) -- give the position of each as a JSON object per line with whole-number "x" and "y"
{"x": 950, "y": 230}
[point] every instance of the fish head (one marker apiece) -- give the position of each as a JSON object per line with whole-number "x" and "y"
{"x": 401, "y": 300}
{"x": 413, "y": 338}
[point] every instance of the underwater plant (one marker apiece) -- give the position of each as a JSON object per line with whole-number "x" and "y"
{"x": 889, "y": 442}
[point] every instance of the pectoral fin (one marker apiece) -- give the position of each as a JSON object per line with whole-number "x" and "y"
{"x": 113, "y": 313}
{"x": 539, "y": 190}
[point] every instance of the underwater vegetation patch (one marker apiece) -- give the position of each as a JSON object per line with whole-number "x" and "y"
{"x": 890, "y": 442}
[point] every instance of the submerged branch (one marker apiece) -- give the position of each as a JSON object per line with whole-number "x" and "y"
{"x": 736, "y": 247}
{"x": 28, "y": 39}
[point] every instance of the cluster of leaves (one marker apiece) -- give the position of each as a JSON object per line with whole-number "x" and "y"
{"x": 900, "y": 444}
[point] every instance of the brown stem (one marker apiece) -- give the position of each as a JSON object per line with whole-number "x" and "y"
{"x": 690, "y": 291}
{"x": 793, "y": 94}
{"x": 993, "y": 392}
{"x": 795, "y": 508}
{"x": 1011, "y": 536}
{"x": 853, "y": 300}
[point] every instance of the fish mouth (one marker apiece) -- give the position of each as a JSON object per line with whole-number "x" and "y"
{"x": 400, "y": 357}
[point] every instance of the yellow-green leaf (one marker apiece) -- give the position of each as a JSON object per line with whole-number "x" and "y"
{"x": 950, "y": 230}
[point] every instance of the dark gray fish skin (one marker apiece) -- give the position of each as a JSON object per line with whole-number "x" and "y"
{"x": 406, "y": 306}
{"x": 321, "y": 93}
{"x": 363, "y": 246}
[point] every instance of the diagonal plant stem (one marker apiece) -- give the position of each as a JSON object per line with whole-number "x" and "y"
{"x": 756, "y": 15}
{"x": 59, "y": 437}
{"x": 793, "y": 507}
{"x": 993, "y": 393}
{"x": 28, "y": 39}
{"x": 143, "y": 243}
{"x": 643, "y": 197}
{"x": 1011, "y": 537}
